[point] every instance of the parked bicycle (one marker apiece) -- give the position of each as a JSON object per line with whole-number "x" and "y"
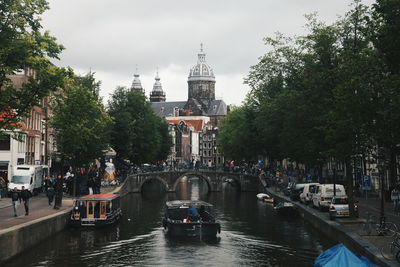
{"x": 384, "y": 228}
{"x": 391, "y": 251}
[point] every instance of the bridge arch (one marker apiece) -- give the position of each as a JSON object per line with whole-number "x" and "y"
{"x": 157, "y": 178}
{"x": 194, "y": 174}
{"x": 234, "y": 180}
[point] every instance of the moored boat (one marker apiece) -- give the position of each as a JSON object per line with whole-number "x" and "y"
{"x": 178, "y": 222}
{"x": 96, "y": 210}
{"x": 285, "y": 208}
{"x": 265, "y": 197}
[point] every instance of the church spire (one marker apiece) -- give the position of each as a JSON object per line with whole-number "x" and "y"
{"x": 202, "y": 55}
{"x": 157, "y": 95}
{"x": 137, "y": 84}
{"x": 157, "y": 85}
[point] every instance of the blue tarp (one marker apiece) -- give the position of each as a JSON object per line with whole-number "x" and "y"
{"x": 341, "y": 256}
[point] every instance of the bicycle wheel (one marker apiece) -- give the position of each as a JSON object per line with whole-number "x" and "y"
{"x": 389, "y": 251}
{"x": 389, "y": 229}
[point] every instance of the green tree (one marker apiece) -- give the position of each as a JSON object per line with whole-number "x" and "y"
{"x": 138, "y": 134}
{"x": 81, "y": 124}
{"x": 237, "y": 136}
{"x": 23, "y": 45}
{"x": 386, "y": 40}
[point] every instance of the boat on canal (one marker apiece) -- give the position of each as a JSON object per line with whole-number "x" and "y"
{"x": 178, "y": 223}
{"x": 265, "y": 197}
{"x": 96, "y": 210}
{"x": 285, "y": 208}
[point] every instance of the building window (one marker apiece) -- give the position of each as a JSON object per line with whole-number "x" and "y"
{"x": 5, "y": 142}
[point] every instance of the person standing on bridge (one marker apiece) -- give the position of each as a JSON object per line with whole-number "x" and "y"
{"x": 25, "y": 196}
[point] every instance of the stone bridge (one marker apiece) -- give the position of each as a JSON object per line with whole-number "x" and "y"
{"x": 213, "y": 179}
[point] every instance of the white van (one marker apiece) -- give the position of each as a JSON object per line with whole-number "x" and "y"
{"x": 29, "y": 176}
{"x": 308, "y": 191}
{"x": 323, "y": 195}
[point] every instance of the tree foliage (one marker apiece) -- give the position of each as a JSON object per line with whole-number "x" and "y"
{"x": 236, "y": 138}
{"x": 23, "y": 45}
{"x": 138, "y": 134}
{"x": 330, "y": 93}
{"x": 81, "y": 124}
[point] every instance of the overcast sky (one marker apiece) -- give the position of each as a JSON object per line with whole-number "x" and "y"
{"x": 112, "y": 37}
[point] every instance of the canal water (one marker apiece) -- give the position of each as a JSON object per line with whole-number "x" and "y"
{"x": 251, "y": 235}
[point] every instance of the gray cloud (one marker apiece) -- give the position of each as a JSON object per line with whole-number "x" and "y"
{"x": 111, "y": 37}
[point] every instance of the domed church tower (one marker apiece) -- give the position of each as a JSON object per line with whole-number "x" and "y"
{"x": 136, "y": 84}
{"x": 157, "y": 95}
{"x": 201, "y": 81}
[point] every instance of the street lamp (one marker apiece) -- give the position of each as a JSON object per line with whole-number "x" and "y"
{"x": 334, "y": 177}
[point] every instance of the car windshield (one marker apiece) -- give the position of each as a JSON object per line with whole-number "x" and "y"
{"x": 299, "y": 186}
{"x": 18, "y": 179}
{"x": 340, "y": 201}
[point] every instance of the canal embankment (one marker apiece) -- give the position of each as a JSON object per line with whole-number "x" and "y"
{"x": 20, "y": 234}
{"x": 336, "y": 231}
{"x": 16, "y": 239}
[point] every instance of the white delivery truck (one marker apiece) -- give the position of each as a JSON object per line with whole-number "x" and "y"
{"x": 29, "y": 176}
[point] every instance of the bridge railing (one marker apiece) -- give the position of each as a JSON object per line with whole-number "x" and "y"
{"x": 200, "y": 169}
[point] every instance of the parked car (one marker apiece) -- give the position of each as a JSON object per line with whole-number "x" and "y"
{"x": 340, "y": 207}
{"x": 324, "y": 193}
{"x": 296, "y": 190}
{"x": 308, "y": 191}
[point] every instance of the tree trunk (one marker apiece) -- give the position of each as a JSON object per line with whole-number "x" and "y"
{"x": 349, "y": 182}
{"x": 392, "y": 168}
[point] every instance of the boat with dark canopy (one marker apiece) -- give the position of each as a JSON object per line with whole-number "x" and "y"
{"x": 178, "y": 221}
{"x": 96, "y": 210}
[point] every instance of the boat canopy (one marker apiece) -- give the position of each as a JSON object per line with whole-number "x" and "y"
{"x": 185, "y": 204}
{"x": 339, "y": 255}
{"x": 178, "y": 209}
{"x": 99, "y": 197}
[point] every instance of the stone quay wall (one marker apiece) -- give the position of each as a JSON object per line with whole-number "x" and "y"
{"x": 17, "y": 239}
{"x": 335, "y": 231}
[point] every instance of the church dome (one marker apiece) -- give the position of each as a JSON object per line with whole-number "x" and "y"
{"x": 201, "y": 71}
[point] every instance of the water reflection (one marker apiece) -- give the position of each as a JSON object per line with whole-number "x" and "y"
{"x": 251, "y": 235}
{"x": 191, "y": 188}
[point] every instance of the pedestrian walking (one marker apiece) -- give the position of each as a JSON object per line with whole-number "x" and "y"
{"x": 14, "y": 199}
{"x": 50, "y": 194}
{"x": 47, "y": 183}
{"x": 58, "y": 188}
{"x": 395, "y": 197}
{"x": 25, "y": 196}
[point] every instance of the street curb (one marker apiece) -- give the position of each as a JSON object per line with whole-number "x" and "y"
{"x": 3, "y": 207}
